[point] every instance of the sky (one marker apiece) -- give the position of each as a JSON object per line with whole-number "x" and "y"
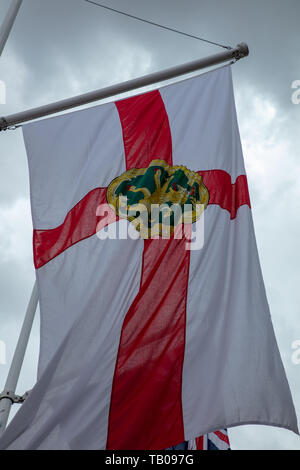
{"x": 60, "y": 48}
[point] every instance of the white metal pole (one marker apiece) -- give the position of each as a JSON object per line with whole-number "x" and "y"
{"x": 16, "y": 365}
{"x": 8, "y": 22}
{"x": 241, "y": 50}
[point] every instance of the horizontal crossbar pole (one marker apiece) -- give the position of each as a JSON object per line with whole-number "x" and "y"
{"x": 240, "y": 51}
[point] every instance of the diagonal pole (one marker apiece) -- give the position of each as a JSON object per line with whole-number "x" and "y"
{"x": 16, "y": 365}
{"x": 8, "y": 22}
{"x": 240, "y": 51}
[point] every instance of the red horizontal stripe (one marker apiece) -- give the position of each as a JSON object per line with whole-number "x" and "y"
{"x": 225, "y": 194}
{"x": 81, "y": 222}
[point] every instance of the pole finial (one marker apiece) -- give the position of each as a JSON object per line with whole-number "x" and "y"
{"x": 242, "y": 50}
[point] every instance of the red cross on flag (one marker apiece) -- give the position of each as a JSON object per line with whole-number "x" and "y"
{"x": 147, "y": 342}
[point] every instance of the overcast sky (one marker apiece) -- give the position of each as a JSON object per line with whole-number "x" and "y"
{"x": 59, "y": 48}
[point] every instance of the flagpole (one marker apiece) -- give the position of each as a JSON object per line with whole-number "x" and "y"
{"x": 16, "y": 365}
{"x": 240, "y": 51}
{"x": 8, "y": 22}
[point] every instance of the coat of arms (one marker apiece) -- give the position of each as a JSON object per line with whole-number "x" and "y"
{"x": 158, "y": 198}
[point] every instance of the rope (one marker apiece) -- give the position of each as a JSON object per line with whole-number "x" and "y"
{"x": 157, "y": 24}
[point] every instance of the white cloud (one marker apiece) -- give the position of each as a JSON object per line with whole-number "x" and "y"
{"x": 272, "y": 163}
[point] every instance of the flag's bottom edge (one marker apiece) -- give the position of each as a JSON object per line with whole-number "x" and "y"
{"x": 194, "y": 435}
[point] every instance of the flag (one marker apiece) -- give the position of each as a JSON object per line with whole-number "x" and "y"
{"x": 147, "y": 342}
{"x": 217, "y": 440}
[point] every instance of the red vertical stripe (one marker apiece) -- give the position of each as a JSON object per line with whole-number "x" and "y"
{"x": 146, "y": 130}
{"x": 146, "y": 408}
{"x": 199, "y": 443}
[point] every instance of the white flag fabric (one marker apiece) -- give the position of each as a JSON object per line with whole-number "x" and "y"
{"x": 147, "y": 342}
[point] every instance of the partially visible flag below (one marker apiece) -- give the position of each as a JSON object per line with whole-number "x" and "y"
{"x": 217, "y": 440}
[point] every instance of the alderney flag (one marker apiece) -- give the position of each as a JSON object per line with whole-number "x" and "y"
{"x": 144, "y": 342}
